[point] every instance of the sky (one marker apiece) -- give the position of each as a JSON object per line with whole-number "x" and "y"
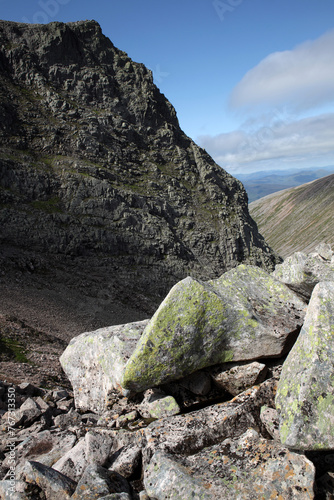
{"x": 252, "y": 81}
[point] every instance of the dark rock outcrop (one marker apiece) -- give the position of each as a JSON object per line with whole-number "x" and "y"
{"x": 97, "y": 180}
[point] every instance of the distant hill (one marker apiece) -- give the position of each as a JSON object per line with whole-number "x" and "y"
{"x": 297, "y": 219}
{"x": 260, "y": 184}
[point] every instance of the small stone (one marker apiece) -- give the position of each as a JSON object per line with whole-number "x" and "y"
{"x": 124, "y": 420}
{"x": 126, "y": 461}
{"x": 157, "y": 405}
{"x": 65, "y": 420}
{"x": 236, "y": 378}
{"x": 65, "y": 405}
{"x": 60, "y": 394}
{"x": 325, "y": 251}
{"x": 270, "y": 419}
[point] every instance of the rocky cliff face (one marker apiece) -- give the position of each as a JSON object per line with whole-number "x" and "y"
{"x": 99, "y": 186}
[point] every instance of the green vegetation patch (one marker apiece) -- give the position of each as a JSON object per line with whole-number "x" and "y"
{"x": 12, "y": 350}
{"x": 50, "y": 206}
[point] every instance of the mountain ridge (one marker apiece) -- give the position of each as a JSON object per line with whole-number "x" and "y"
{"x": 262, "y": 183}
{"x": 102, "y": 194}
{"x": 296, "y": 219}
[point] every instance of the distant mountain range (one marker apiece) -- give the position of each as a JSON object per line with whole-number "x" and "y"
{"x": 259, "y": 184}
{"x": 299, "y": 218}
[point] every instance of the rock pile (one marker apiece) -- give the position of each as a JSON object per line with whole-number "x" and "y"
{"x": 242, "y": 409}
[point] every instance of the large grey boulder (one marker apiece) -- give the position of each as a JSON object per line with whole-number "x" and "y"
{"x": 301, "y": 272}
{"x": 248, "y": 467}
{"x": 245, "y": 314}
{"x": 94, "y": 362}
{"x": 305, "y": 395}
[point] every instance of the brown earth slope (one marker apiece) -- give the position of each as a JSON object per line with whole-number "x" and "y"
{"x": 296, "y": 219}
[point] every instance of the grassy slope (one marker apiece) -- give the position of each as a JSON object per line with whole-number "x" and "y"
{"x": 297, "y": 219}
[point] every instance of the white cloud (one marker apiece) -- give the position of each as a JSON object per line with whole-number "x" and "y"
{"x": 301, "y": 78}
{"x": 278, "y": 144}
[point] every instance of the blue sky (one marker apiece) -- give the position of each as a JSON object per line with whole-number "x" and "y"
{"x": 252, "y": 81}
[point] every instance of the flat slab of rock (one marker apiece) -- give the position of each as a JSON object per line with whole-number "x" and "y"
{"x": 305, "y": 394}
{"x": 191, "y": 432}
{"x": 246, "y": 314}
{"x": 241, "y": 469}
{"x": 94, "y": 362}
{"x": 45, "y": 447}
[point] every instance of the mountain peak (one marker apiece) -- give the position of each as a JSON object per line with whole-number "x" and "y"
{"x": 98, "y": 177}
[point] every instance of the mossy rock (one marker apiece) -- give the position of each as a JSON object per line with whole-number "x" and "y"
{"x": 305, "y": 394}
{"x": 245, "y": 314}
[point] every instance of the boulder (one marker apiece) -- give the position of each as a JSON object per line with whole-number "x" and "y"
{"x": 305, "y": 395}
{"x": 301, "y": 272}
{"x": 94, "y": 362}
{"x": 45, "y": 447}
{"x": 236, "y": 378}
{"x": 97, "y": 482}
{"x": 93, "y": 448}
{"x": 245, "y": 314}
{"x": 249, "y": 467}
{"x": 55, "y": 486}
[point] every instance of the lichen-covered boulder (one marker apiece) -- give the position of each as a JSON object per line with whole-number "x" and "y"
{"x": 301, "y": 272}
{"x": 305, "y": 394}
{"x": 245, "y": 314}
{"x": 248, "y": 467}
{"x": 157, "y": 405}
{"x": 94, "y": 362}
